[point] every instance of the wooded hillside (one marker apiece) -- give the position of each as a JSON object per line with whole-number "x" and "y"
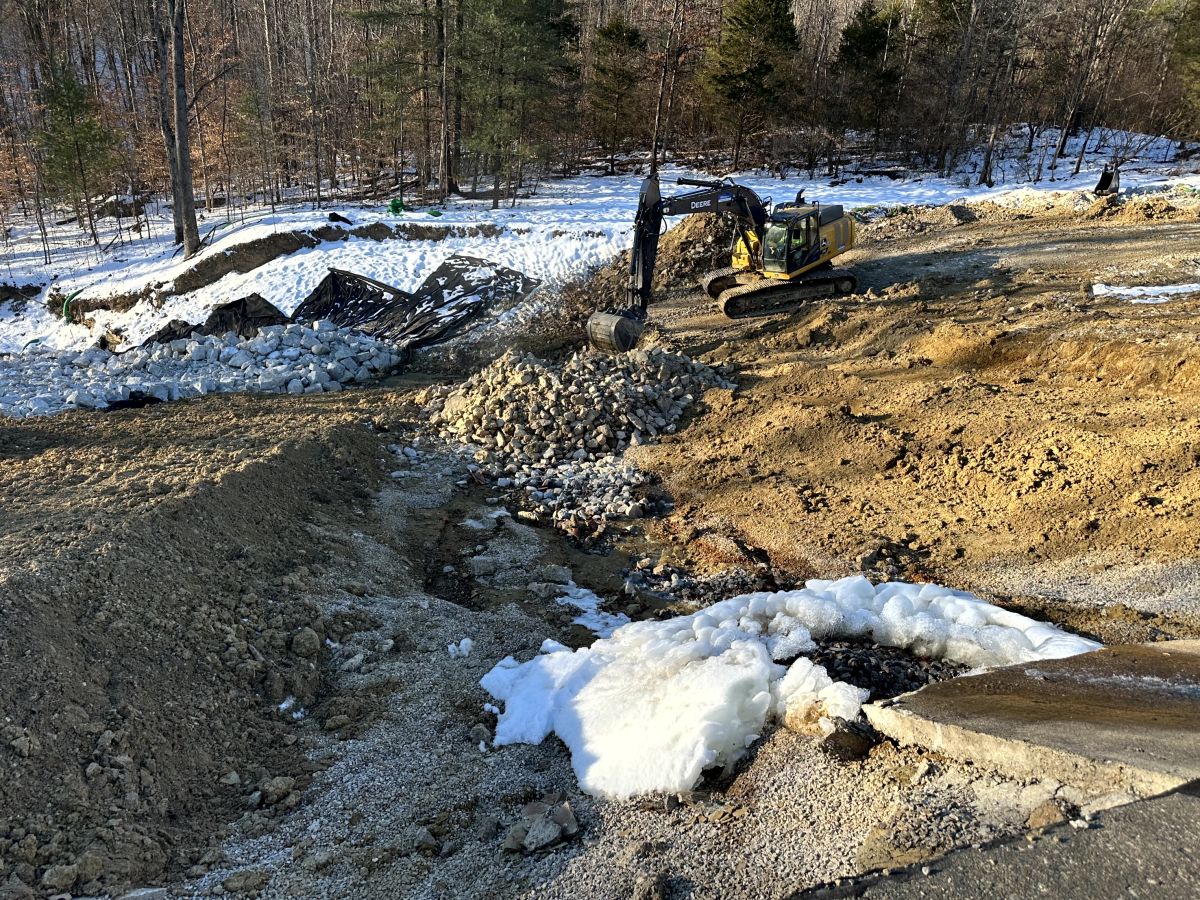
{"x": 236, "y": 101}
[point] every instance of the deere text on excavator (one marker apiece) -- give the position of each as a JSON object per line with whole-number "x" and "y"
{"x": 782, "y": 255}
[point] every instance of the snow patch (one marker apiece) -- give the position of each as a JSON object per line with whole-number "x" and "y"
{"x": 1146, "y": 294}
{"x": 460, "y": 650}
{"x": 591, "y": 616}
{"x": 654, "y": 705}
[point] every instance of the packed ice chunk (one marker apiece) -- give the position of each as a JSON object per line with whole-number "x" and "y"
{"x": 461, "y": 649}
{"x": 655, "y": 704}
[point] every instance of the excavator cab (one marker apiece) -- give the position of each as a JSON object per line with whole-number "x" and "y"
{"x": 788, "y": 242}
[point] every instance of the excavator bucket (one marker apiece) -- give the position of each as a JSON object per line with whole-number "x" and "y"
{"x": 614, "y": 332}
{"x": 1109, "y": 183}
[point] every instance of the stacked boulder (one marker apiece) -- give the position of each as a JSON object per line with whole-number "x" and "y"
{"x": 556, "y": 430}
{"x": 294, "y": 358}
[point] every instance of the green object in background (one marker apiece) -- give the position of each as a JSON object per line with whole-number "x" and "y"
{"x": 396, "y": 206}
{"x": 435, "y": 212}
{"x": 66, "y": 310}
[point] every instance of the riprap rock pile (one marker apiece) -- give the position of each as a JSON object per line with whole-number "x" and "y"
{"x": 555, "y": 430}
{"x": 295, "y": 358}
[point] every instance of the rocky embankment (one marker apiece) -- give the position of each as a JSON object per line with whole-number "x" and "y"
{"x": 294, "y": 358}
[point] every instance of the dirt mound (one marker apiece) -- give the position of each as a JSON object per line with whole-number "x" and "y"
{"x": 154, "y": 617}
{"x": 951, "y": 214}
{"x": 18, "y": 293}
{"x": 697, "y": 245}
{"x": 1133, "y": 210}
{"x": 243, "y": 258}
{"x": 969, "y": 408}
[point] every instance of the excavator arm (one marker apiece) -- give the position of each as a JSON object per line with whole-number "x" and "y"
{"x": 618, "y": 331}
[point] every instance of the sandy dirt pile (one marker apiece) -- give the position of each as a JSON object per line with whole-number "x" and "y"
{"x": 691, "y": 248}
{"x": 972, "y": 417}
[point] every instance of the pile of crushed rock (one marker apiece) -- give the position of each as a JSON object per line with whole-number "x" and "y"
{"x": 556, "y": 430}
{"x": 294, "y": 358}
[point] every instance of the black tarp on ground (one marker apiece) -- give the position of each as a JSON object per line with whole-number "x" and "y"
{"x": 457, "y": 292}
{"x": 245, "y": 316}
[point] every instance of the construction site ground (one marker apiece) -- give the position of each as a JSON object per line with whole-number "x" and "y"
{"x": 224, "y": 622}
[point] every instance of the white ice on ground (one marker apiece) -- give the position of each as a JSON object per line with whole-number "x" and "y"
{"x": 1145, "y": 294}
{"x": 487, "y": 522}
{"x": 654, "y": 705}
{"x": 591, "y": 616}
{"x": 460, "y": 650}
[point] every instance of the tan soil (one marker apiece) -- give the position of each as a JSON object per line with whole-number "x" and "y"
{"x": 148, "y": 599}
{"x": 973, "y": 414}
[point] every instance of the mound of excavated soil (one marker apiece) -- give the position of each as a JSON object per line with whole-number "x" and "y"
{"x": 697, "y": 245}
{"x": 152, "y": 617}
{"x": 972, "y": 410}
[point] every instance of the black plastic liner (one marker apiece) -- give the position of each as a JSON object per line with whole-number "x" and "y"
{"x": 455, "y": 294}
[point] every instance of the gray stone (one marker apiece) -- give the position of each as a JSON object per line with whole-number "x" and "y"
{"x": 542, "y": 832}
{"x": 247, "y": 880}
{"x": 60, "y": 878}
{"x": 276, "y": 789}
{"x": 424, "y": 842}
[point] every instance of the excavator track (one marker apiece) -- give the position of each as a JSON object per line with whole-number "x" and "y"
{"x": 716, "y": 283}
{"x": 764, "y": 296}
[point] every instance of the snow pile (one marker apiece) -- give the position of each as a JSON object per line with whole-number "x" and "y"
{"x": 1148, "y": 294}
{"x": 294, "y": 358}
{"x": 552, "y": 429}
{"x": 653, "y": 706}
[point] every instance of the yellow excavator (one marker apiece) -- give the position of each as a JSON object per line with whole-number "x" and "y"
{"x": 782, "y": 255}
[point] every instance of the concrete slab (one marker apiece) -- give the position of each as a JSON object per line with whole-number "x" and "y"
{"x": 1144, "y": 850}
{"x": 1121, "y": 718}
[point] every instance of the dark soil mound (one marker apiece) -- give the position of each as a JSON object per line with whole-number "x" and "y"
{"x": 151, "y": 621}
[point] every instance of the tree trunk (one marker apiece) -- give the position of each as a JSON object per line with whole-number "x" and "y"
{"x": 183, "y": 154}
{"x": 662, "y": 89}
{"x": 442, "y": 59}
{"x": 165, "y": 114}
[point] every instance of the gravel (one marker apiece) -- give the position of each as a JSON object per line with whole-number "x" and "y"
{"x": 409, "y": 803}
{"x": 557, "y": 430}
{"x": 294, "y": 359}
{"x": 884, "y": 671}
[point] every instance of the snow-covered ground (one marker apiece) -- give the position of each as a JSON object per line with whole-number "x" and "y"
{"x": 568, "y": 227}
{"x": 654, "y": 705}
{"x": 1145, "y": 293}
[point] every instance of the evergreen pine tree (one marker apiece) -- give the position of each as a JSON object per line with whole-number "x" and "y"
{"x": 519, "y": 60}
{"x": 617, "y": 79}
{"x": 867, "y": 76}
{"x": 751, "y": 75}
{"x": 80, "y": 153}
